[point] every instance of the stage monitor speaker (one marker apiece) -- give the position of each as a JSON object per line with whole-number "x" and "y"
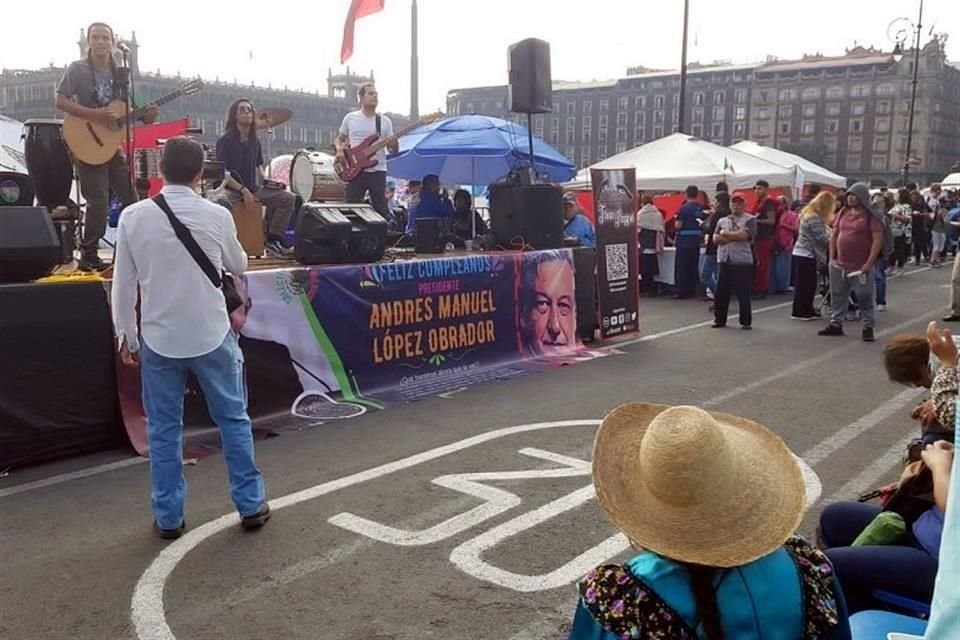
{"x": 523, "y": 216}
{"x": 16, "y": 189}
{"x": 332, "y": 233}
{"x": 429, "y": 236}
{"x": 531, "y": 86}
{"x": 29, "y": 245}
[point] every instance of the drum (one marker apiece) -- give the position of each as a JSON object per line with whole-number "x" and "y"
{"x": 48, "y": 161}
{"x": 312, "y": 177}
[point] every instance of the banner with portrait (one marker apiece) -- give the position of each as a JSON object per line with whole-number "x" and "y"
{"x": 615, "y": 207}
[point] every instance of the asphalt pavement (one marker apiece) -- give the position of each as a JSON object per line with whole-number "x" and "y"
{"x": 468, "y": 516}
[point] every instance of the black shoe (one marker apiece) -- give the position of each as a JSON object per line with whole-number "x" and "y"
{"x": 170, "y": 534}
{"x": 258, "y": 519}
{"x": 831, "y": 330}
{"x": 868, "y": 335}
{"x": 91, "y": 263}
{"x": 717, "y": 325}
{"x": 952, "y": 318}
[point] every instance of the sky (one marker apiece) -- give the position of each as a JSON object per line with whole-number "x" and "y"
{"x": 462, "y": 43}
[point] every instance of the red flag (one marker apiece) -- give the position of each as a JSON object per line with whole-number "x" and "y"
{"x": 358, "y": 9}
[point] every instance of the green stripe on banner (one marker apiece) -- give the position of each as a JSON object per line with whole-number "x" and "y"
{"x": 347, "y": 387}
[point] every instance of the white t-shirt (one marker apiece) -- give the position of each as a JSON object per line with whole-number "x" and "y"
{"x": 358, "y": 127}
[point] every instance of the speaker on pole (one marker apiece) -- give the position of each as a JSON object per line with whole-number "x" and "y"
{"x": 531, "y": 85}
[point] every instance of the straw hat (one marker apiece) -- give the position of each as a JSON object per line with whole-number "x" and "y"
{"x": 706, "y": 488}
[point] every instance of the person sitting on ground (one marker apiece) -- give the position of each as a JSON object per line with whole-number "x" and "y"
{"x": 576, "y": 225}
{"x": 714, "y": 501}
{"x": 907, "y": 565}
{"x": 429, "y": 204}
{"x": 911, "y": 360}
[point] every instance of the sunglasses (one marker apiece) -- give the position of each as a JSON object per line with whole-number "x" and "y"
{"x": 244, "y": 109}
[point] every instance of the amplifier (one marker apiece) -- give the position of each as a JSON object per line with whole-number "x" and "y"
{"x": 527, "y": 215}
{"x": 336, "y": 233}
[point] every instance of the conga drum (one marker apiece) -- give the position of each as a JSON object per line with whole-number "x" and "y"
{"x": 248, "y": 218}
{"x": 312, "y": 177}
{"x": 48, "y": 161}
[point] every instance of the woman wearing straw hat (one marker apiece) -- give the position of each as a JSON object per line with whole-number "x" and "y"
{"x": 713, "y": 500}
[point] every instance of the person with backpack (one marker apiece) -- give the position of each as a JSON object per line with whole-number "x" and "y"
{"x": 856, "y": 244}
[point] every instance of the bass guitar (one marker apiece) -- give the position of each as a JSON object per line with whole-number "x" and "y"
{"x": 94, "y": 143}
{"x": 356, "y": 159}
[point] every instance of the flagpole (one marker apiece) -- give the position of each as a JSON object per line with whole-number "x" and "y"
{"x": 414, "y": 64}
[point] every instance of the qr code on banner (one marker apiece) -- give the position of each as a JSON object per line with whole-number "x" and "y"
{"x": 617, "y": 264}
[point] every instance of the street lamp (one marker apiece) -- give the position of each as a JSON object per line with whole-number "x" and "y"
{"x": 900, "y": 37}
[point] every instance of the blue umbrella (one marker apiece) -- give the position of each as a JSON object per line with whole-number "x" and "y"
{"x": 474, "y": 150}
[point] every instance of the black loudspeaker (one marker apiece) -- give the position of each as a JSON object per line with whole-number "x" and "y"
{"x": 585, "y": 284}
{"x": 330, "y": 233}
{"x": 524, "y": 216}
{"x": 16, "y": 189}
{"x": 29, "y": 245}
{"x": 429, "y": 236}
{"x": 531, "y": 86}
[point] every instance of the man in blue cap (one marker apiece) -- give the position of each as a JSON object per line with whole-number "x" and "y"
{"x": 577, "y": 225}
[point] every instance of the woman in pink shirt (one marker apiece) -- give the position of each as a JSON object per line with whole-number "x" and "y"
{"x": 787, "y": 226}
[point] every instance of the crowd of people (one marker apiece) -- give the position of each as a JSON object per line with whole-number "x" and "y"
{"x": 840, "y": 247}
{"x": 712, "y": 503}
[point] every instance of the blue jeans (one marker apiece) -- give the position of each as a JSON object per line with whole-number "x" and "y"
{"x": 220, "y": 374}
{"x": 780, "y": 267}
{"x": 880, "y": 271}
{"x": 708, "y": 273}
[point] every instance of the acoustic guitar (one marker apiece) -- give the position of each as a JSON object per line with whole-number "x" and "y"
{"x": 360, "y": 157}
{"x": 94, "y": 143}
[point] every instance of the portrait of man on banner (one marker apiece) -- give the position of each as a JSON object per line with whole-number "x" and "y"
{"x": 548, "y": 305}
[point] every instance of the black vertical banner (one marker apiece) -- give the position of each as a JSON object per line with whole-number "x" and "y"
{"x": 614, "y": 202}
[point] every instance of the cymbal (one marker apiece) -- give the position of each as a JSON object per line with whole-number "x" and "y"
{"x": 269, "y": 117}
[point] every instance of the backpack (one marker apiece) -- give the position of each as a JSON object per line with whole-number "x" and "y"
{"x": 888, "y": 242}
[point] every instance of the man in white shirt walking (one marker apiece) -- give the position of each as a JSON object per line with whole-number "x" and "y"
{"x": 184, "y": 328}
{"x": 356, "y": 127}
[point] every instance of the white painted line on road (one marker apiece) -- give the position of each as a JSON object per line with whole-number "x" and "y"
{"x": 847, "y": 434}
{"x": 73, "y": 475}
{"x": 872, "y": 475}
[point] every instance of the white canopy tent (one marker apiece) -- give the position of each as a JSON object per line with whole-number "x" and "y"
{"x": 952, "y": 181}
{"x": 811, "y": 172}
{"x": 679, "y": 160}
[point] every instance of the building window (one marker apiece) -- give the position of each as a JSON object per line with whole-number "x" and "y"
{"x": 784, "y": 128}
{"x": 554, "y": 137}
{"x": 810, "y": 93}
{"x": 835, "y": 92}
{"x": 676, "y": 99}
{"x": 740, "y": 96}
{"x": 855, "y": 143}
{"x": 556, "y": 107}
{"x": 856, "y": 125}
{"x": 716, "y": 130}
{"x": 571, "y": 136}
{"x": 657, "y": 133}
{"x": 786, "y": 111}
{"x": 585, "y": 157}
{"x": 621, "y": 147}
{"x": 883, "y": 107}
{"x": 788, "y": 95}
{"x": 808, "y": 127}
{"x": 719, "y": 113}
{"x": 658, "y": 102}
{"x": 602, "y": 135}
{"x": 538, "y": 127}
{"x": 621, "y": 134}
{"x": 698, "y": 114}
{"x": 853, "y": 161}
{"x": 858, "y": 108}
{"x": 739, "y": 129}
{"x": 763, "y": 97}
{"x": 640, "y": 102}
{"x": 833, "y": 126}
{"x": 588, "y": 107}
{"x": 879, "y": 163}
{"x": 571, "y": 108}
{"x": 881, "y": 144}
{"x": 622, "y": 103}
{"x": 740, "y": 113}
{"x": 763, "y": 113}
{"x": 641, "y": 117}
{"x": 859, "y": 90}
{"x": 604, "y": 105}
{"x": 809, "y": 111}
{"x": 830, "y": 144}
{"x": 621, "y": 119}
{"x": 639, "y": 134}
{"x": 674, "y": 128}
{"x": 763, "y": 130}
{"x": 697, "y": 130}
{"x": 603, "y": 122}
{"x": 571, "y": 123}
{"x": 886, "y": 89}
{"x": 833, "y": 109}
{"x": 658, "y": 116}
{"x": 698, "y": 98}
{"x": 882, "y": 125}
{"x": 719, "y": 97}
{"x": 585, "y": 136}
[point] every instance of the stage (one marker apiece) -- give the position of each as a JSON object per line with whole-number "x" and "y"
{"x": 320, "y": 343}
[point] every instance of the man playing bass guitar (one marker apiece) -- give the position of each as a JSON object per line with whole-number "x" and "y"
{"x": 87, "y": 88}
{"x": 356, "y": 127}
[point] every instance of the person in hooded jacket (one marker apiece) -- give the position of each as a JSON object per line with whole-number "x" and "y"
{"x": 855, "y": 246}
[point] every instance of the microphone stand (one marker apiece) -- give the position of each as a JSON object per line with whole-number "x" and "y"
{"x": 125, "y": 80}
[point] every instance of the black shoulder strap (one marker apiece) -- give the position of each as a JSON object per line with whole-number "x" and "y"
{"x": 378, "y": 125}
{"x": 184, "y": 235}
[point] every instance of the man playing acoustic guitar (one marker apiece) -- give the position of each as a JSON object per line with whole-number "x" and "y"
{"x": 87, "y": 88}
{"x": 356, "y": 127}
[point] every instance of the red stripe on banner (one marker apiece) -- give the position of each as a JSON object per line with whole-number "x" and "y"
{"x": 358, "y": 9}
